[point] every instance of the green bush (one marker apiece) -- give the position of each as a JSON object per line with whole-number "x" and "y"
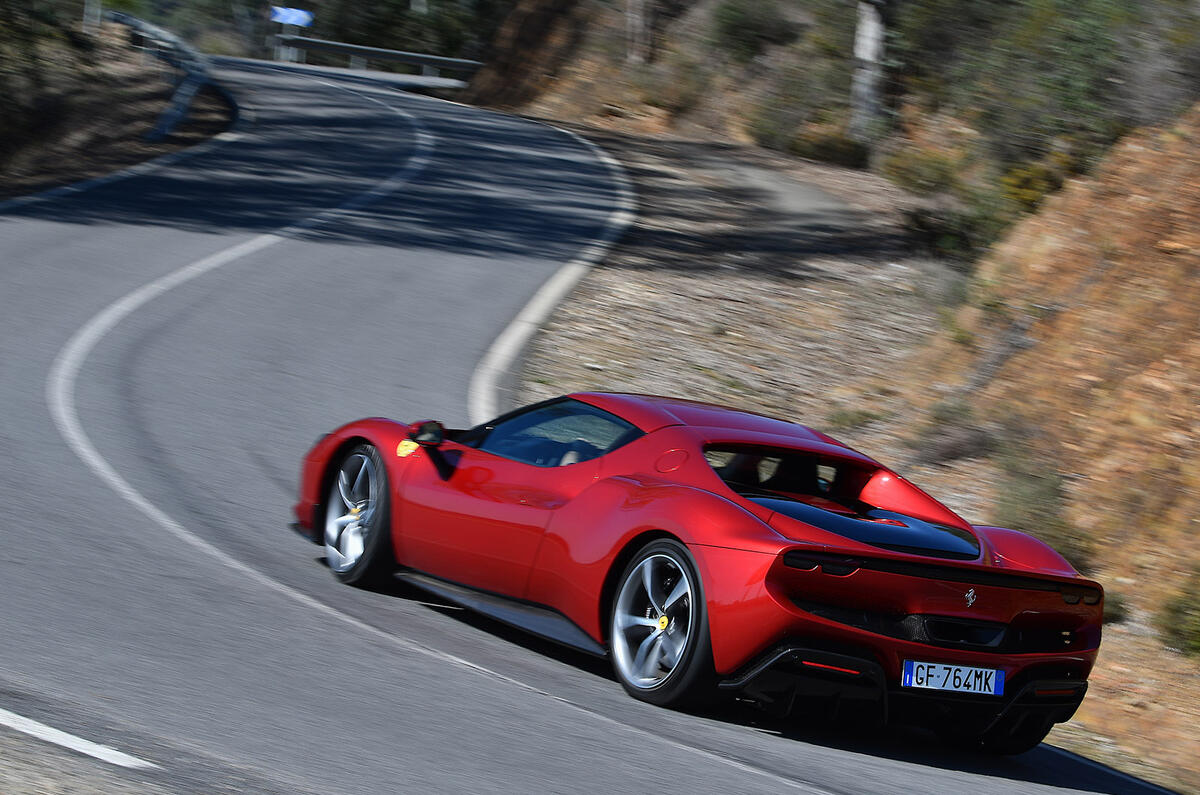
{"x": 922, "y": 171}
{"x": 1030, "y": 72}
{"x": 811, "y": 91}
{"x": 676, "y": 83}
{"x": 846, "y": 419}
{"x": 951, "y": 411}
{"x": 744, "y": 28}
{"x": 1027, "y": 184}
{"x": 788, "y": 105}
{"x": 835, "y": 148}
{"x": 1179, "y": 619}
{"x": 962, "y": 227}
{"x": 1116, "y": 609}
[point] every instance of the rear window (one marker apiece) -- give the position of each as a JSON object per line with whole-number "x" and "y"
{"x": 823, "y": 491}
{"x": 748, "y": 470}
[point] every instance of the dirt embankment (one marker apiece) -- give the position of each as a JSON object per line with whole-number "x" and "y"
{"x": 92, "y": 119}
{"x": 1104, "y": 286}
{"x": 1106, "y": 282}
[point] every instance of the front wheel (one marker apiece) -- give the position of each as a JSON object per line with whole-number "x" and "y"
{"x": 358, "y": 544}
{"x": 658, "y": 635}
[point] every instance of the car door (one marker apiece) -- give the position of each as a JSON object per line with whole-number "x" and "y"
{"x": 475, "y": 510}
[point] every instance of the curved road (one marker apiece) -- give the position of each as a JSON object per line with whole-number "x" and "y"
{"x": 170, "y": 345}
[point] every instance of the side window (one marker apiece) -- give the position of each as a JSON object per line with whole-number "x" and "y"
{"x": 558, "y": 434}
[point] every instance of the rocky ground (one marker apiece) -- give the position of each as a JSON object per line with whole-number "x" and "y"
{"x": 788, "y": 287}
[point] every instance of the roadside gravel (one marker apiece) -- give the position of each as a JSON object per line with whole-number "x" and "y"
{"x": 764, "y": 282}
{"x": 32, "y": 767}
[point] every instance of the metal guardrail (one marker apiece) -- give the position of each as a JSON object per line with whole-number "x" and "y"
{"x": 176, "y": 52}
{"x": 360, "y": 56}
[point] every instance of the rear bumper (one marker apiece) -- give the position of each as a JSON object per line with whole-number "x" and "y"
{"x": 794, "y": 677}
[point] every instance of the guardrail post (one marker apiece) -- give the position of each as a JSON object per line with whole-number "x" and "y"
{"x": 91, "y": 16}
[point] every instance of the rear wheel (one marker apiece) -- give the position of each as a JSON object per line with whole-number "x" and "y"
{"x": 658, "y": 635}
{"x": 358, "y": 544}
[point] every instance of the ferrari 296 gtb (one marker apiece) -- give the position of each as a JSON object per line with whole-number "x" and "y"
{"x": 704, "y": 550}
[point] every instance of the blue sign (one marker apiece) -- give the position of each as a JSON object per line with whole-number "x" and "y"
{"x": 291, "y": 16}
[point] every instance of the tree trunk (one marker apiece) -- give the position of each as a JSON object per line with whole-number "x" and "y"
{"x": 868, "y": 70}
{"x": 535, "y": 39}
{"x": 639, "y": 21}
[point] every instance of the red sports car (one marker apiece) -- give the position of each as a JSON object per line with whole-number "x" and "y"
{"x": 707, "y": 549}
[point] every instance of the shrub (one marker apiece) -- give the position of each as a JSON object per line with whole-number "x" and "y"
{"x": 744, "y": 28}
{"x": 1032, "y": 498}
{"x": 961, "y": 228}
{"x": 1116, "y": 609}
{"x": 922, "y": 171}
{"x": 676, "y": 83}
{"x": 1179, "y": 619}
{"x": 846, "y": 419}
{"x": 951, "y": 411}
{"x": 1026, "y": 185}
{"x": 951, "y": 433}
{"x": 787, "y": 106}
{"x": 836, "y": 148}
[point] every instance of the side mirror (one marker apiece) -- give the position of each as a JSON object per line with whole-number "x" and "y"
{"x": 428, "y": 433}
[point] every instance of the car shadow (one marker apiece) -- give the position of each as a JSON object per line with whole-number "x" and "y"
{"x": 1045, "y": 765}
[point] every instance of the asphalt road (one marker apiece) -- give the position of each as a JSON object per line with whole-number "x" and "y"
{"x": 154, "y": 599}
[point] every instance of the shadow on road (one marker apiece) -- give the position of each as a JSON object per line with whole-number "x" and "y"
{"x": 495, "y": 185}
{"x": 1045, "y": 765}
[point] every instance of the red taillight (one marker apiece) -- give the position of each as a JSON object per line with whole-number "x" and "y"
{"x": 1063, "y": 691}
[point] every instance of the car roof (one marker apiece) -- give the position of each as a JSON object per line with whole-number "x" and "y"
{"x": 651, "y": 412}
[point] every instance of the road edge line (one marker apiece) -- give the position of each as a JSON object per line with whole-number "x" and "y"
{"x": 483, "y": 390}
{"x": 49, "y": 734}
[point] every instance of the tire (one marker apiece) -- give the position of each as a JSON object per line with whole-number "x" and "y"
{"x": 1014, "y": 734}
{"x": 358, "y": 542}
{"x": 659, "y": 640}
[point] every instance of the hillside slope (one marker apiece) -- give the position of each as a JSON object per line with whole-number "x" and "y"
{"x": 1103, "y": 286}
{"x": 1078, "y": 354}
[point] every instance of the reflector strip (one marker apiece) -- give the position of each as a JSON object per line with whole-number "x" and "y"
{"x": 1066, "y": 691}
{"x": 812, "y": 664}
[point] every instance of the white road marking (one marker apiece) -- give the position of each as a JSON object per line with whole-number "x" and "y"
{"x": 50, "y": 734}
{"x": 64, "y": 373}
{"x": 483, "y": 392}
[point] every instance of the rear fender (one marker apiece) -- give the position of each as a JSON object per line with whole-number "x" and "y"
{"x": 1013, "y": 549}
{"x": 586, "y": 539}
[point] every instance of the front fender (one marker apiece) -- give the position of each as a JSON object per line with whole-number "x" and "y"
{"x": 381, "y": 432}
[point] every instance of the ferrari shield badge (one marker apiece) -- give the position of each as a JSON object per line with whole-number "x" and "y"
{"x": 406, "y": 448}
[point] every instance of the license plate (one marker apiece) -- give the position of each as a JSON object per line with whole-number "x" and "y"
{"x": 958, "y": 678}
